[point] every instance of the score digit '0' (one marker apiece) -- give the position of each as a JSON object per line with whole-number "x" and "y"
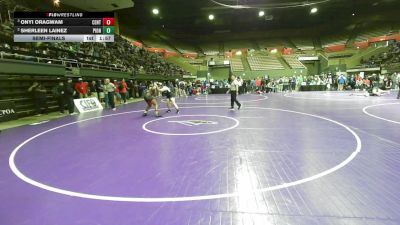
{"x": 108, "y": 21}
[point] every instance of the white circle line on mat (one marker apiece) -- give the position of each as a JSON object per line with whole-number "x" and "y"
{"x": 211, "y": 99}
{"x": 288, "y": 95}
{"x": 26, "y": 179}
{"x": 219, "y": 103}
{"x": 378, "y": 117}
{"x": 144, "y": 127}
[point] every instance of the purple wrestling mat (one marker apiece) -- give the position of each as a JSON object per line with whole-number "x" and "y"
{"x": 296, "y": 158}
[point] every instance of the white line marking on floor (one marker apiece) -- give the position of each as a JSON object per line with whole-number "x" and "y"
{"x": 378, "y": 117}
{"x": 25, "y": 178}
{"x": 291, "y": 95}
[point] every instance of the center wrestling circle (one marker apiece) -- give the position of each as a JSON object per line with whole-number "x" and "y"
{"x": 197, "y": 120}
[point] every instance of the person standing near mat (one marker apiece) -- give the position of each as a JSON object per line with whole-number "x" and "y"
{"x": 59, "y": 94}
{"x": 81, "y": 88}
{"x": 39, "y": 97}
{"x": 123, "y": 90}
{"x": 109, "y": 89}
{"x": 234, "y": 90}
{"x": 398, "y": 84}
{"x": 69, "y": 93}
{"x": 149, "y": 96}
{"x": 398, "y": 94}
{"x": 169, "y": 93}
{"x": 341, "y": 82}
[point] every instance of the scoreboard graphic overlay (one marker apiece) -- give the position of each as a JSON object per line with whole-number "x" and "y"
{"x": 64, "y": 27}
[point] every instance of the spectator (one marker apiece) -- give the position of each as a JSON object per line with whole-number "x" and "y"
{"x": 136, "y": 92}
{"x": 381, "y": 80}
{"x": 329, "y": 82}
{"x": 39, "y": 98}
{"x": 69, "y": 93}
{"x": 123, "y": 90}
{"x": 258, "y": 84}
{"x": 397, "y": 80}
{"x": 253, "y": 85}
{"x": 359, "y": 82}
{"x": 131, "y": 58}
{"x": 106, "y": 101}
{"x": 285, "y": 82}
{"x": 367, "y": 83}
{"x": 59, "y": 94}
{"x": 398, "y": 84}
{"x": 271, "y": 87}
{"x": 262, "y": 84}
{"x": 117, "y": 94}
{"x": 99, "y": 90}
{"x": 244, "y": 87}
{"x": 109, "y": 88}
{"x": 280, "y": 84}
{"x": 142, "y": 88}
{"x": 352, "y": 81}
{"x": 299, "y": 82}
{"x": 293, "y": 84}
{"x": 182, "y": 88}
{"x": 93, "y": 89}
{"x": 341, "y": 82}
{"x": 81, "y": 88}
{"x": 131, "y": 89}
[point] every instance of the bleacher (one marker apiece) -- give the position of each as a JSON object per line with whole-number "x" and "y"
{"x": 303, "y": 43}
{"x": 388, "y": 59}
{"x": 261, "y": 62}
{"x": 194, "y": 61}
{"x": 157, "y": 44}
{"x": 120, "y": 55}
{"x": 393, "y": 67}
{"x": 183, "y": 48}
{"x": 236, "y": 64}
{"x": 334, "y": 41}
{"x": 293, "y": 62}
{"x": 210, "y": 49}
{"x": 114, "y": 60}
{"x": 241, "y": 44}
{"x": 273, "y": 43}
{"x": 211, "y": 52}
{"x": 365, "y": 35}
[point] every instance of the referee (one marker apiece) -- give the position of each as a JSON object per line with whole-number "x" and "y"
{"x": 234, "y": 90}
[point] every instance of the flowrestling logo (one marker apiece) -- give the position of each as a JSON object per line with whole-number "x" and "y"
{"x": 194, "y": 122}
